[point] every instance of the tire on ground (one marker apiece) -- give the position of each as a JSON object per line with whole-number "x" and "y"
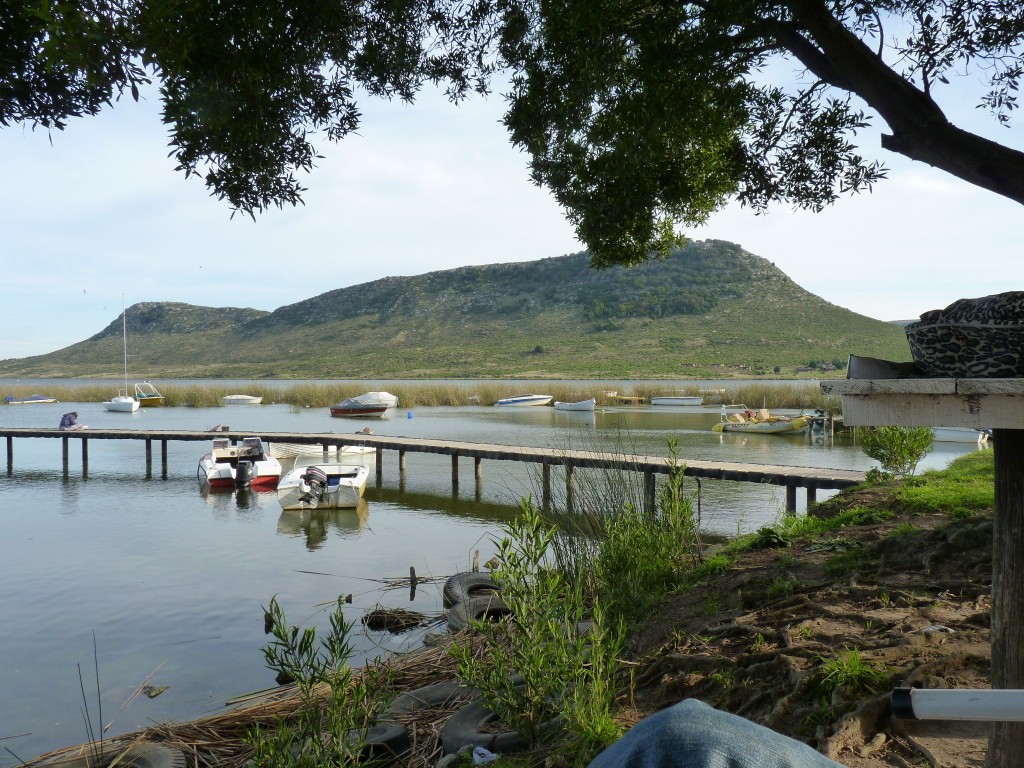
{"x": 462, "y": 586}
{"x": 490, "y": 607}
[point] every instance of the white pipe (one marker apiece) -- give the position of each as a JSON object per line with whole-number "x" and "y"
{"x": 963, "y": 704}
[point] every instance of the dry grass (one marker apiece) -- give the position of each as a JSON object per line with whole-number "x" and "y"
{"x": 217, "y": 741}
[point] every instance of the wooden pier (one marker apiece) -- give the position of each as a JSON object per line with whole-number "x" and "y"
{"x": 792, "y": 478}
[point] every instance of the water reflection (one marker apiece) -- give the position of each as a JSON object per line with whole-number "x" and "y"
{"x": 314, "y": 525}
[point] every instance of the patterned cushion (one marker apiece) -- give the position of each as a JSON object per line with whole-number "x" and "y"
{"x": 972, "y": 338}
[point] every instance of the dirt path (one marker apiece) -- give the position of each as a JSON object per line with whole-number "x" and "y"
{"x": 907, "y": 599}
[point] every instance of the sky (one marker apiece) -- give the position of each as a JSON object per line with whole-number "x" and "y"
{"x": 96, "y": 215}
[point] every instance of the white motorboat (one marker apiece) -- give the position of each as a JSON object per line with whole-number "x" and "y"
{"x": 579, "y": 405}
{"x": 248, "y": 464}
{"x": 369, "y": 404}
{"x": 519, "y": 400}
{"x": 677, "y": 400}
{"x": 241, "y": 400}
{"x": 122, "y": 402}
{"x": 960, "y": 435}
{"x": 323, "y": 486}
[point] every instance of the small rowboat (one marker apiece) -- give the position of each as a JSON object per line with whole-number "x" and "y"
{"x": 579, "y": 405}
{"x": 677, "y": 400}
{"x": 520, "y": 400}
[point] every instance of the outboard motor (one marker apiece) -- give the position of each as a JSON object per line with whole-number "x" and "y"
{"x": 314, "y": 481}
{"x": 245, "y": 473}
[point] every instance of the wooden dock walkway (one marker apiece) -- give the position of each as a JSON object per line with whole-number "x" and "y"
{"x": 809, "y": 478}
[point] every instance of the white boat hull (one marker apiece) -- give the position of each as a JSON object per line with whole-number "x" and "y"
{"x": 524, "y": 400}
{"x": 241, "y": 400}
{"x": 122, "y": 404}
{"x": 580, "y": 405}
{"x": 344, "y": 489}
{"x": 677, "y": 400}
{"x": 218, "y": 467}
{"x": 959, "y": 435}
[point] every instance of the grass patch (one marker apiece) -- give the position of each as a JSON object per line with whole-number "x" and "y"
{"x": 966, "y": 487}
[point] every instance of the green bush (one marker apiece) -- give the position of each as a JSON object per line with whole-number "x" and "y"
{"x": 898, "y": 449}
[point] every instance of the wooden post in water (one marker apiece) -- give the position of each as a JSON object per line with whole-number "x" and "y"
{"x": 812, "y": 496}
{"x": 10, "y": 455}
{"x": 570, "y": 491}
{"x": 546, "y": 487}
{"x": 149, "y": 458}
{"x": 791, "y": 498}
{"x": 478, "y": 474}
{"x": 401, "y": 464}
{"x": 163, "y": 457}
{"x": 649, "y": 493}
{"x": 380, "y": 468}
{"x": 85, "y": 457}
{"x": 64, "y": 452}
{"x": 455, "y": 473}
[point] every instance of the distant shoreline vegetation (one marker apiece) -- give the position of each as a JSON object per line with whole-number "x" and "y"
{"x": 805, "y": 395}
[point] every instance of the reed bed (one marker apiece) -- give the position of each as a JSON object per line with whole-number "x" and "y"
{"x": 218, "y": 741}
{"x": 804, "y": 395}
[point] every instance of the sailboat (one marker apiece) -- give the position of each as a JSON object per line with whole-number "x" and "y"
{"x": 123, "y": 402}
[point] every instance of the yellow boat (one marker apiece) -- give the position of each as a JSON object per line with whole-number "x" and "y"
{"x": 761, "y": 422}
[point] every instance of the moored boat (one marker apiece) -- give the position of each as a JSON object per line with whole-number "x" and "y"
{"x": 148, "y": 395}
{"x": 29, "y": 399}
{"x": 371, "y": 404}
{"x": 248, "y": 464}
{"x": 961, "y": 435}
{"x": 121, "y": 403}
{"x": 323, "y": 486}
{"x": 761, "y": 422}
{"x": 579, "y": 405}
{"x": 520, "y": 400}
{"x": 677, "y": 400}
{"x": 241, "y": 400}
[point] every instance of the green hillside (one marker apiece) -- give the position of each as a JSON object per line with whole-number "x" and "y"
{"x": 710, "y": 310}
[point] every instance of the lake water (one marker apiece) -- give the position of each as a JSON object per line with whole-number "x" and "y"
{"x": 170, "y": 582}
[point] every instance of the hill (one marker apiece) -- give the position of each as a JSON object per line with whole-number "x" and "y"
{"x": 709, "y": 310}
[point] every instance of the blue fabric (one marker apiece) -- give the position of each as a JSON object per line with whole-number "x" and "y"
{"x": 67, "y": 421}
{"x": 691, "y": 734}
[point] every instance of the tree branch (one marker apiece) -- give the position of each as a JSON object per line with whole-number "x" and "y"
{"x": 919, "y": 128}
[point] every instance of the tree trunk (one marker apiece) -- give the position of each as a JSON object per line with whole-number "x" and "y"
{"x": 1007, "y": 743}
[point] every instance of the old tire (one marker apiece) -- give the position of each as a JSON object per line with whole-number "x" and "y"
{"x": 463, "y": 586}
{"x": 144, "y": 754}
{"x": 490, "y": 607}
{"x": 429, "y": 696}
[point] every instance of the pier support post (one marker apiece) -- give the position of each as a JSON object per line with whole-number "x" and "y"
{"x": 64, "y": 452}
{"x": 570, "y": 490}
{"x": 546, "y": 487}
{"x": 149, "y": 458}
{"x": 163, "y": 458}
{"x": 380, "y": 468}
{"x": 10, "y": 455}
{"x": 812, "y": 496}
{"x": 401, "y": 464}
{"x": 791, "y": 498}
{"x": 649, "y": 494}
{"x": 455, "y": 473}
{"x": 478, "y": 476}
{"x": 85, "y": 457}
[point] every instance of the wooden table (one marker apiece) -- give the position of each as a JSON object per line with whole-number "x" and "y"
{"x": 980, "y": 403}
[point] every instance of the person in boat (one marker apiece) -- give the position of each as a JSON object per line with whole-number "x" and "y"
{"x": 69, "y": 422}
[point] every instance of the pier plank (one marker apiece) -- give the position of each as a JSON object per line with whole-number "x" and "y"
{"x": 810, "y": 478}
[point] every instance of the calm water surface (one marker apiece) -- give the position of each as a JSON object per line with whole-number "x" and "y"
{"x": 170, "y": 582}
